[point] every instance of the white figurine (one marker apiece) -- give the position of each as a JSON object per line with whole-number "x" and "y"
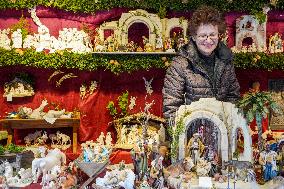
{"x": 54, "y": 113}
{"x": 38, "y": 113}
{"x": 100, "y": 140}
{"x": 203, "y": 167}
{"x": 93, "y": 86}
{"x": 108, "y": 139}
{"x": 42, "y": 151}
{"x": 17, "y": 38}
{"x": 8, "y": 170}
{"x": 45, "y": 164}
{"x": 148, "y": 86}
{"x": 159, "y": 43}
{"x": 29, "y": 42}
{"x": 52, "y": 176}
{"x": 132, "y": 102}
{"x": 25, "y": 175}
{"x": 5, "y": 41}
{"x": 123, "y": 139}
{"x": 55, "y": 44}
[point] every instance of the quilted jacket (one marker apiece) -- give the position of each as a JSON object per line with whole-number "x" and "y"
{"x": 187, "y": 80}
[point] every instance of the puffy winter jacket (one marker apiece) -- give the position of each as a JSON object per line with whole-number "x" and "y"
{"x": 187, "y": 79}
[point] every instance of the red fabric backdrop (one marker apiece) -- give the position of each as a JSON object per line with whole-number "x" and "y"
{"x": 95, "y": 117}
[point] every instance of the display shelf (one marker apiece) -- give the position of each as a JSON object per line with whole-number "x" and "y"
{"x": 134, "y": 53}
{"x": 11, "y": 124}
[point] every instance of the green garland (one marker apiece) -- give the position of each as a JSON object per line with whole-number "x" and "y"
{"x": 259, "y": 61}
{"x": 11, "y": 148}
{"x": 88, "y": 6}
{"x": 118, "y": 63}
{"x": 89, "y": 61}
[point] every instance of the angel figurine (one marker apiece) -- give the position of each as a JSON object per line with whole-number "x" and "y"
{"x": 83, "y": 91}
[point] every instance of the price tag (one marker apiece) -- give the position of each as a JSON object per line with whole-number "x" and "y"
{"x": 205, "y": 182}
{"x": 9, "y": 97}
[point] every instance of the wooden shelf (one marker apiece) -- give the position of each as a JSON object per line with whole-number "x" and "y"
{"x": 134, "y": 53}
{"x": 11, "y": 124}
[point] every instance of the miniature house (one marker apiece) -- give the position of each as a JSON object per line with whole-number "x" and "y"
{"x": 157, "y": 27}
{"x": 225, "y": 117}
{"x": 249, "y": 31}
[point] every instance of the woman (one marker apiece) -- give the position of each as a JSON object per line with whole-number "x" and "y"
{"x": 203, "y": 67}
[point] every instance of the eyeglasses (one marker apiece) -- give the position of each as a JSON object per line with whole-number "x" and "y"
{"x": 212, "y": 36}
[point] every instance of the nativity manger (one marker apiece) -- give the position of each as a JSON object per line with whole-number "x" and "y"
{"x": 218, "y": 125}
{"x": 18, "y": 88}
{"x": 129, "y": 130}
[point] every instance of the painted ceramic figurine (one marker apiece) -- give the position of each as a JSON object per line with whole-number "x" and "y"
{"x": 280, "y": 158}
{"x": 139, "y": 156}
{"x": 268, "y": 160}
{"x": 157, "y": 167}
{"x": 195, "y": 148}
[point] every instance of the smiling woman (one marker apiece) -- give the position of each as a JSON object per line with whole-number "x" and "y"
{"x": 206, "y": 38}
{"x": 203, "y": 67}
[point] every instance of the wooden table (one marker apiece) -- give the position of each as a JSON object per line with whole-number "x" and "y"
{"x": 11, "y": 124}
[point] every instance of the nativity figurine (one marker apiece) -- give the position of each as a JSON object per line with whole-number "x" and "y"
{"x": 43, "y": 165}
{"x": 195, "y": 148}
{"x": 5, "y": 41}
{"x": 63, "y": 141}
{"x": 17, "y": 39}
{"x": 268, "y": 161}
{"x": 275, "y": 43}
{"x": 18, "y": 88}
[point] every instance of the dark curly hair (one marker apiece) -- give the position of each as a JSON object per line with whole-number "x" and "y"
{"x": 207, "y": 15}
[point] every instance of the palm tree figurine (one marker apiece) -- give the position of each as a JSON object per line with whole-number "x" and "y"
{"x": 256, "y": 105}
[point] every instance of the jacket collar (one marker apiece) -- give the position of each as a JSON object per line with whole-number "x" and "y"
{"x": 223, "y": 56}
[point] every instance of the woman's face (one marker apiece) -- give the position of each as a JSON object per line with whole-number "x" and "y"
{"x": 206, "y": 38}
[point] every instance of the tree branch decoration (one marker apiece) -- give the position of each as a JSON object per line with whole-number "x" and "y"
{"x": 122, "y": 104}
{"x": 174, "y": 130}
{"x": 23, "y": 25}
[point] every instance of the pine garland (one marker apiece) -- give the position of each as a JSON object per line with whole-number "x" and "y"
{"x": 118, "y": 63}
{"x": 88, "y": 6}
